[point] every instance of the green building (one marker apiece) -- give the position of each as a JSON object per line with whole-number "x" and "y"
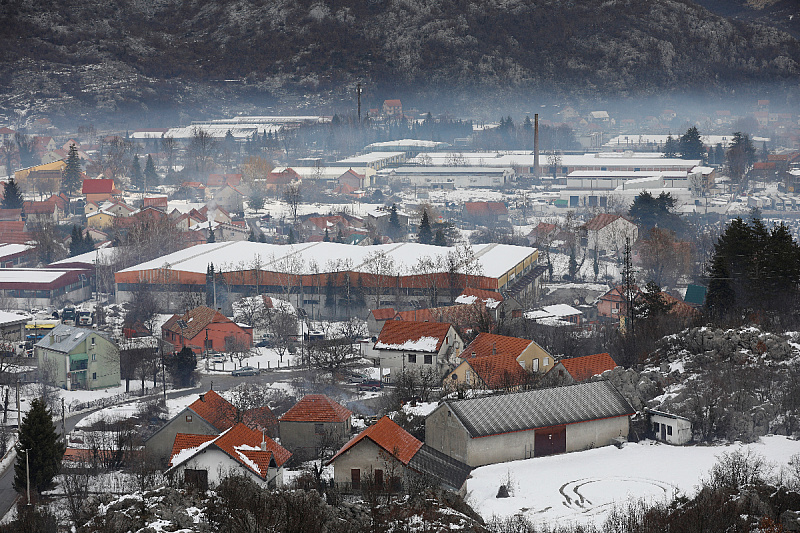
{"x": 78, "y": 358}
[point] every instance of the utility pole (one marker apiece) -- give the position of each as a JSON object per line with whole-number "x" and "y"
{"x": 358, "y": 94}
{"x": 63, "y": 421}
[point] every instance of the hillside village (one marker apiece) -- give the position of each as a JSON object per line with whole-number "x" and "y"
{"x": 347, "y": 317}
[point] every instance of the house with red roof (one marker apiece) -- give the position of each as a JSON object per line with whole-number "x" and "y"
{"x": 203, "y": 328}
{"x": 98, "y": 190}
{"x": 485, "y": 213}
{"x": 392, "y": 108}
{"x": 613, "y": 303}
{"x": 315, "y": 426}
{"x": 210, "y": 414}
{"x": 417, "y": 346}
{"x": 353, "y": 179}
{"x": 578, "y": 369}
{"x": 498, "y": 362}
{"x": 205, "y": 460}
{"x": 386, "y": 456}
{"x": 607, "y": 232}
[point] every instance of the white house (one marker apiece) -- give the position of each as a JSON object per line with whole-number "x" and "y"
{"x": 205, "y": 460}
{"x": 607, "y": 233}
{"x": 408, "y": 345}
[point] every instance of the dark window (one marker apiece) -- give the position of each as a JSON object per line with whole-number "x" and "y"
{"x": 94, "y": 375}
{"x": 319, "y": 429}
{"x": 669, "y": 430}
{"x": 189, "y": 418}
{"x": 655, "y": 427}
{"x": 197, "y": 478}
{"x": 412, "y": 358}
{"x": 428, "y": 359}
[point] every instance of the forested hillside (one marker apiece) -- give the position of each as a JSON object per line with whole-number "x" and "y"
{"x": 126, "y": 54}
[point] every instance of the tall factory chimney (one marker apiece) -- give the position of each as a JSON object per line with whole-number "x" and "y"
{"x": 536, "y": 144}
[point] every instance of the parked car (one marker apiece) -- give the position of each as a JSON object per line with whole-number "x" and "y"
{"x": 217, "y": 359}
{"x": 245, "y": 371}
{"x": 355, "y": 377}
{"x": 372, "y": 385}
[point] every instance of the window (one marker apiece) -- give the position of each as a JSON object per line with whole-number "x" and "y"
{"x": 655, "y": 427}
{"x": 454, "y": 377}
{"x": 189, "y": 418}
{"x": 94, "y": 375}
{"x": 379, "y": 478}
{"x": 93, "y": 339}
{"x": 428, "y": 359}
{"x": 412, "y": 358}
{"x": 546, "y": 361}
{"x": 94, "y": 357}
{"x": 319, "y": 429}
{"x": 535, "y": 365}
{"x": 669, "y": 430}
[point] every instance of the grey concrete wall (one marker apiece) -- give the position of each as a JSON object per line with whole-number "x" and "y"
{"x": 159, "y": 445}
{"x": 301, "y": 438}
{"x": 446, "y": 434}
{"x": 368, "y": 457}
{"x": 596, "y": 433}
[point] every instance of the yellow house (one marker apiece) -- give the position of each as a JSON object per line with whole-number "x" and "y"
{"x": 499, "y": 362}
{"x": 100, "y": 220}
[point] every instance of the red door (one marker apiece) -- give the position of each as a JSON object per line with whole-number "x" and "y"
{"x": 550, "y": 441}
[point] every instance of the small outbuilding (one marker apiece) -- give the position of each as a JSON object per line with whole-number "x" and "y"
{"x": 669, "y": 428}
{"x": 314, "y": 425}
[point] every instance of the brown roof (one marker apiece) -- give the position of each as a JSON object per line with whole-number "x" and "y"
{"x": 601, "y": 221}
{"x": 401, "y": 334}
{"x": 499, "y": 371}
{"x": 98, "y": 186}
{"x": 196, "y": 320}
{"x": 222, "y": 414}
{"x": 13, "y": 232}
{"x": 582, "y": 368}
{"x": 316, "y": 408}
{"x": 389, "y": 436}
{"x": 386, "y": 313}
{"x": 482, "y": 294}
{"x": 487, "y": 344}
{"x": 485, "y": 208}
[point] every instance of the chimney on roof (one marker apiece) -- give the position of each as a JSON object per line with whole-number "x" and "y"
{"x": 263, "y": 442}
{"x": 494, "y": 348}
{"x": 202, "y": 397}
{"x": 536, "y": 144}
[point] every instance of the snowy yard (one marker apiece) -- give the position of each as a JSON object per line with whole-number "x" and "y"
{"x": 582, "y": 487}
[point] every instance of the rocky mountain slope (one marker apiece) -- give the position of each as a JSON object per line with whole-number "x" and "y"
{"x": 137, "y": 55}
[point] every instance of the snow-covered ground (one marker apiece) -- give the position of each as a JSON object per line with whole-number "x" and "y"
{"x": 582, "y": 487}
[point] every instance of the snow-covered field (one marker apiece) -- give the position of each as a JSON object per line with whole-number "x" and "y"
{"x": 582, "y": 487}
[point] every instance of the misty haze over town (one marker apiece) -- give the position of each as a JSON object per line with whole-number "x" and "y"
{"x": 347, "y": 266}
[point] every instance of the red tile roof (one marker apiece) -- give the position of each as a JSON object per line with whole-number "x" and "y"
{"x": 98, "y": 186}
{"x": 215, "y": 409}
{"x": 601, "y": 221}
{"x": 482, "y": 294}
{"x": 399, "y": 332}
{"x": 486, "y": 344}
{"x": 13, "y": 232}
{"x": 499, "y": 371}
{"x": 196, "y": 319}
{"x": 485, "y": 208}
{"x": 582, "y": 368}
{"x": 386, "y": 313}
{"x": 392, "y": 103}
{"x": 240, "y": 443}
{"x": 389, "y": 436}
{"x": 316, "y": 408}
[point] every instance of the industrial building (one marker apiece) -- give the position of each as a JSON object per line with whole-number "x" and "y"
{"x": 330, "y": 279}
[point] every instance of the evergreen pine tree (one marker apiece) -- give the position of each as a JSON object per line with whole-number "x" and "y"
{"x": 181, "y": 365}
{"x": 12, "y": 198}
{"x": 691, "y": 146}
{"x": 88, "y": 243}
{"x": 76, "y": 242}
{"x": 262, "y": 237}
{"x": 330, "y": 291}
{"x": 670, "y": 147}
{"x": 252, "y": 236}
{"x": 70, "y": 181}
{"x": 425, "y": 232}
{"x": 210, "y": 285}
{"x": 326, "y": 238}
{"x": 292, "y": 238}
{"x": 394, "y": 222}
{"x": 340, "y": 236}
{"x": 150, "y": 174}
{"x": 137, "y": 178}
{"x": 41, "y": 445}
{"x": 440, "y": 239}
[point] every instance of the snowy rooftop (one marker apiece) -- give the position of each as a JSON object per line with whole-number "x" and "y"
{"x": 370, "y": 157}
{"x": 525, "y": 158}
{"x": 6, "y": 317}
{"x": 708, "y": 140}
{"x": 104, "y": 255}
{"x": 30, "y": 275}
{"x": 406, "y": 142}
{"x": 494, "y": 260}
{"x": 10, "y": 249}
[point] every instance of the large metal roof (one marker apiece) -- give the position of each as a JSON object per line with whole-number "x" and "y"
{"x": 492, "y": 415}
